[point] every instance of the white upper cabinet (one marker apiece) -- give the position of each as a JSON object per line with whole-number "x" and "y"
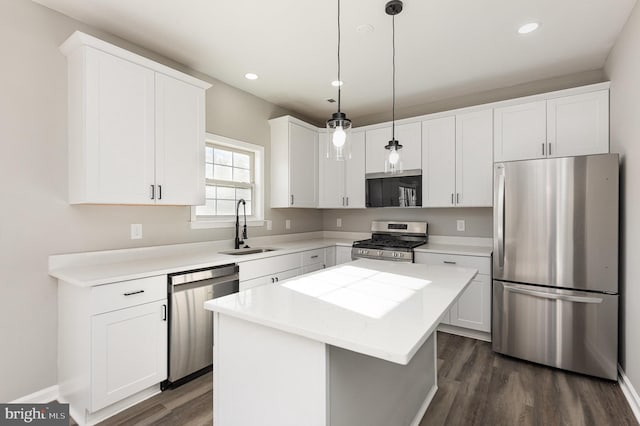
{"x": 294, "y": 163}
{"x": 578, "y": 124}
{"x": 342, "y": 183}
{"x": 520, "y": 131}
{"x": 136, "y": 128}
{"x": 439, "y": 162}
{"x": 474, "y": 159}
{"x": 408, "y": 135}
{"x": 563, "y": 126}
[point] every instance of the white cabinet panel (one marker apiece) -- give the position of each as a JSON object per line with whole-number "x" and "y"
{"x": 343, "y": 254}
{"x": 439, "y": 162}
{"x": 355, "y": 173}
{"x": 520, "y": 131}
{"x": 273, "y": 278}
{"x": 473, "y": 307}
{"x": 180, "y": 142}
{"x": 408, "y": 135}
{"x": 129, "y": 348}
{"x": 331, "y": 178}
{"x": 578, "y": 125}
{"x": 270, "y": 265}
{"x": 330, "y": 256}
{"x": 474, "y": 159}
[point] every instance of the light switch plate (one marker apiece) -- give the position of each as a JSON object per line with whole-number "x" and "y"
{"x": 269, "y": 225}
{"x": 287, "y": 224}
{"x": 136, "y": 231}
{"x": 339, "y": 222}
{"x": 460, "y": 225}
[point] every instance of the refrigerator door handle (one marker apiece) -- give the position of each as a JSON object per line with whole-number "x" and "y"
{"x": 545, "y": 295}
{"x": 501, "y": 220}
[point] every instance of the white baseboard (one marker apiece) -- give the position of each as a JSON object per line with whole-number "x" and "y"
{"x": 39, "y": 397}
{"x": 425, "y": 405}
{"x": 465, "y": 332}
{"x": 629, "y": 392}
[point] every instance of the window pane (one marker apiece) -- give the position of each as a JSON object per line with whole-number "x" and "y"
{"x": 222, "y": 172}
{"x": 241, "y": 160}
{"x": 241, "y": 175}
{"x": 208, "y": 209}
{"x": 226, "y": 207}
{"x": 249, "y": 209}
{"x": 209, "y": 171}
{"x": 243, "y": 193}
{"x": 220, "y": 156}
{"x": 226, "y": 193}
{"x": 210, "y": 191}
{"x": 209, "y": 154}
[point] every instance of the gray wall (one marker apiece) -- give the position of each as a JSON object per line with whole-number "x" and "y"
{"x": 623, "y": 68}
{"x": 35, "y": 219}
{"x": 478, "y": 221}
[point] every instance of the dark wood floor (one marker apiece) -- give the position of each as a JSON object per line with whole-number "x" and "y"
{"x": 476, "y": 387}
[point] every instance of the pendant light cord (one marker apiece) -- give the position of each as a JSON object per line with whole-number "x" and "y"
{"x": 339, "y": 81}
{"x": 393, "y": 62}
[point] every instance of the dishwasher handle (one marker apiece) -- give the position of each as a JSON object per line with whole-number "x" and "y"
{"x": 215, "y": 282}
{"x": 203, "y": 274}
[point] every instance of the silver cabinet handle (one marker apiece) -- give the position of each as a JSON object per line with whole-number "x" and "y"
{"x": 452, "y": 202}
{"x": 291, "y": 199}
{"x": 153, "y": 192}
{"x": 549, "y": 148}
{"x": 159, "y": 192}
{"x": 314, "y": 257}
{"x": 133, "y": 292}
{"x": 276, "y": 279}
{"x": 342, "y": 201}
{"x": 552, "y": 296}
{"x": 347, "y": 201}
{"x": 164, "y": 312}
{"x": 543, "y": 148}
{"x": 273, "y": 280}
{"x": 457, "y": 198}
{"x": 449, "y": 262}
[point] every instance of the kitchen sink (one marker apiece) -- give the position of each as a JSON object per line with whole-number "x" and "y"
{"x": 243, "y": 251}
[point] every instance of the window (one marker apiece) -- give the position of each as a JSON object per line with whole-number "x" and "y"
{"x": 233, "y": 171}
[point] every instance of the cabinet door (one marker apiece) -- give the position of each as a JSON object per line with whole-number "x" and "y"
{"x": 285, "y": 275}
{"x": 520, "y": 131}
{"x": 303, "y": 166}
{"x": 409, "y": 136}
{"x": 578, "y": 125}
{"x": 255, "y": 282}
{"x": 129, "y": 352}
{"x": 343, "y": 254}
{"x": 474, "y": 159}
{"x": 332, "y": 178}
{"x": 330, "y": 256}
{"x": 439, "y": 162}
{"x": 119, "y": 132}
{"x": 354, "y": 173}
{"x": 473, "y": 307}
{"x": 180, "y": 142}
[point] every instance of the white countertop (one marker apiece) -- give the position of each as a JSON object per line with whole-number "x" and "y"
{"x": 382, "y": 309}
{"x": 162, "y": 261}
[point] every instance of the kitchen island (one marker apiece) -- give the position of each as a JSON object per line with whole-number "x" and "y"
{"x": 353, "y": 344}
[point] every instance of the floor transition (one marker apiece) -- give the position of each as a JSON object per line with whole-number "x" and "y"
{"x": 476, "y": 387}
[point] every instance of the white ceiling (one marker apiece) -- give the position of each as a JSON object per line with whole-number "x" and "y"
{"x": 445, "y": 48}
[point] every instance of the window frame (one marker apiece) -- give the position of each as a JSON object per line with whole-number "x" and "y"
{"x": 257, "y": 216}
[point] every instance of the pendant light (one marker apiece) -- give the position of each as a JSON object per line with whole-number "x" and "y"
{"x": 339, "y": 126}
{"x": 393, "y": 162}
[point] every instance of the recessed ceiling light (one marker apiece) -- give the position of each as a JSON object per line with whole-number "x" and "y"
{"x": 528, "y": 28}
{"x": 251, "y": 76}
{"x": 336, "y": 83}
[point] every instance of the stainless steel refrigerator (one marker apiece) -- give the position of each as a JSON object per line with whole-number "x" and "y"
{"x": 555, "y": 262}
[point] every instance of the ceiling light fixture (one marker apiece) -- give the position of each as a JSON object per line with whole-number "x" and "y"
{"x": 393, "y": 163}
{"x": 251, "y": 76}
{"x": 337, "y": 83}
{"x": 339, "y": 126}
{"x": 528, "y": 28}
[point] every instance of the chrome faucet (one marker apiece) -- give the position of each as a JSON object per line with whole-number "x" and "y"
{"x": 244, "y": 229}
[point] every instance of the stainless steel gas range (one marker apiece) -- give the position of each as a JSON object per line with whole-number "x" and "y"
{"x": 391, "y": 240}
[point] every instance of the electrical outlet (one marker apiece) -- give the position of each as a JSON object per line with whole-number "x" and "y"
{"x": 339, "y": 222}
{"x": 460, "y": 225}
{"x": 287, "y": 224}
{"x": 136, "y": 231}
{"x": 269, "y": 225}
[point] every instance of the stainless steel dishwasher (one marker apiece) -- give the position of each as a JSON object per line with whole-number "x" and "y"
{"x": 190, "y": 325}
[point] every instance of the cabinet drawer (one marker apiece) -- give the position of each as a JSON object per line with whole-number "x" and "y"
{"x": 268, "y": 266}
{"x": 123, "y": 294}
{"x": 482, "y": 264}
{"x": 312, "y": 268}
{"x": 312, "y": 256}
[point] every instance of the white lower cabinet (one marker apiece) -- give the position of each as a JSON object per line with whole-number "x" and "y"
{"x": 472, "y": 310}
{"x": 112, "y": 345}
{"x": 343, "y": 254}
{"x": 273, "y": 278}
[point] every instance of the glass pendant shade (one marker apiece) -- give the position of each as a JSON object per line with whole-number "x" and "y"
{"x": 339, "y": 143}
{"x": 393, "y": 162}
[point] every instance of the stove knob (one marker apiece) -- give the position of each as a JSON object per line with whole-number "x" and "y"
{"x": 379, "y": 252}
{"x": 396, "y": 254}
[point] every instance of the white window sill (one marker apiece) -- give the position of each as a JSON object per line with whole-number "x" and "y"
{"x": 207, "y": 224}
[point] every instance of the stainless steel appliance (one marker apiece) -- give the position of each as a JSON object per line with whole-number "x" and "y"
{"x": 391, "y": 241}
{"x": 190, "y": 325}
{"x": 394, "y": 190}
{"x": 555, "y": 262}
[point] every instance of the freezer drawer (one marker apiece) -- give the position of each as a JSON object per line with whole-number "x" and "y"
{"x": 572, "y": 330}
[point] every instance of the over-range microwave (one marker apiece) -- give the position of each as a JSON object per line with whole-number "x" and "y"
{"x": 394, "y": 190}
